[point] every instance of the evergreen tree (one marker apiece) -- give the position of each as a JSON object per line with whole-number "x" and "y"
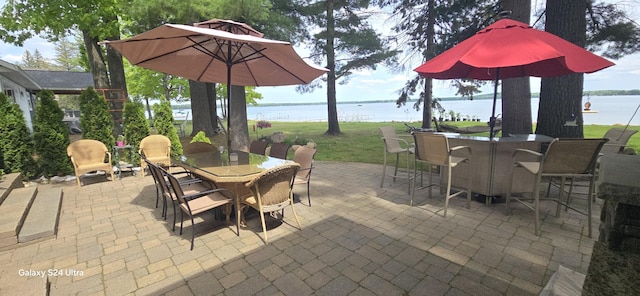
{"x": 51, "y": 137}
{"x": 136, "y": 126}
{"x": 345, "y": 42}
{"x": 16, "y": 144}
{"x": 163, "y": 122}
{"x": 426, "y": 28}
{"x": 95, "y": 119}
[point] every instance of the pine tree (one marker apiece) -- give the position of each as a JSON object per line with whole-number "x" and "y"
{"x": 51, "y": 137}
{"x": 163, "y": 122}
{"x": 136, "y": 126}
{"x": 95, "y": 119}
{"x": 16, "y": 146}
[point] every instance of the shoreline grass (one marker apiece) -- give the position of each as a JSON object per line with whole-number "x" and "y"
{"x": 361, "y": 141}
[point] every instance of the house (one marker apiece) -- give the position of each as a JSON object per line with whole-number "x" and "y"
{"x": 23, "y": 85}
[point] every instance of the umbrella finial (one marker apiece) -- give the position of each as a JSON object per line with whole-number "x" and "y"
{"x": 504, "y": 14}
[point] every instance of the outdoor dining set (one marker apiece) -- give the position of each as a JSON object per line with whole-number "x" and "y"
{"x": 508, "y": 168}
{"x": 206, "y": 178}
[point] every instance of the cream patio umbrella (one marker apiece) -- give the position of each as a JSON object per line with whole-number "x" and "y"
{"x": 210, "y": 55}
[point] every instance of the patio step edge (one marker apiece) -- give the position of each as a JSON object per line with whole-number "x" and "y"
{"x": 9, "y": 182}
{"x": 13, "y": 213}
{"x": 43, "y": 217}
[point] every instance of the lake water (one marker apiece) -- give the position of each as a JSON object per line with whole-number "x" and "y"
{"x": 610, "y": 110}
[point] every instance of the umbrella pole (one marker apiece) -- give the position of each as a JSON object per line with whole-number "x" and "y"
{"x": 229, "y": 111}
{"x": 492, "y": 120}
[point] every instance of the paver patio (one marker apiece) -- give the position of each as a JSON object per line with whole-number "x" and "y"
{"x": 357, "y": 239}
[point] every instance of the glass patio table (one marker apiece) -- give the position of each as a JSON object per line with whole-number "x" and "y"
{"x": 217, "y": 167}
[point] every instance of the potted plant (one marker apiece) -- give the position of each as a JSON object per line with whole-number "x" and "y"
{"x": 120, "y": 141}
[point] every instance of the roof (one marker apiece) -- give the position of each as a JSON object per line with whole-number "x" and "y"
{"x": 61, "y": 82}
{"x": 17, "y": 75}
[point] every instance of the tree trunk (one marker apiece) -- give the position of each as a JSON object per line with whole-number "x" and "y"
{"x": 561, "y": 97}
{"x": 427, "y": 113}
{"x": 238, "y": 130}
{"x": 332, "y": 110}
{"x": 201, "y": 112}
{"x": 516, "y": 92}
{"x": 96, "y": 61}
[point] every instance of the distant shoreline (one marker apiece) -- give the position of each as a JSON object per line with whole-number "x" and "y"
{"x": 633, "y": 92}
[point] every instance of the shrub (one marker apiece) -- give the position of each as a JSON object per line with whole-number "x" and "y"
{"x": 136, "y": 126}
{"x": 163, "y": 122}
{"x": 16, "y": 144}
{"x": 201, "y": 137}
{"x": 51, "y": 137}
{"x": 95, "y": 120}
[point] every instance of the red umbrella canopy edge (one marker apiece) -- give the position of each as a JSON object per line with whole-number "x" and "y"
{"x": 517, "y": 49}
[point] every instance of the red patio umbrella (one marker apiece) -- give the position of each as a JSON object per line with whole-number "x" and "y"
{"x": 508, "y": 49}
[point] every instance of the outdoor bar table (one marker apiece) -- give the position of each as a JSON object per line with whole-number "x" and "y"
{"x": 491, "y": 162}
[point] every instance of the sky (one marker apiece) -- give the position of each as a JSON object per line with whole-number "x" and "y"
{"x": 384, "y": 83}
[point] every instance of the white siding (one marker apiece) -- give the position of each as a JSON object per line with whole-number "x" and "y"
{"x": 20, "y": 96}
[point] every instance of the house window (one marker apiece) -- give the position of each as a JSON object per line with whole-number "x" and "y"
{"x": 9, "y": 93}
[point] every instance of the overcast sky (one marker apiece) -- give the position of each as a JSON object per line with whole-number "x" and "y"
{"x": 382, "y": 83}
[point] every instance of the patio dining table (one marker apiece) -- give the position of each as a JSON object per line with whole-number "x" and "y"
{"x": 232, "y": 175}
{"x": 491, "y": 162}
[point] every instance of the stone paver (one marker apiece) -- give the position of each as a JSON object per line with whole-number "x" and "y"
{"x": 356, "y": 239}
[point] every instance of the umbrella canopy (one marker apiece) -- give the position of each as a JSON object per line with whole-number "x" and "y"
{"x": 508, "y": 49}
{"x": 229, "y": 26}
{"x": 204, "y": 55}
{"x": 218, "y": 56}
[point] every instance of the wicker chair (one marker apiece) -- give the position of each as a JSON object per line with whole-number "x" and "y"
{"x": 434, "y": 150}
{"x": 258, "y": 147}
{"x": 272, "y": 191}
{"x": 196, "y": 198}
{"x": 392, "y": 146}
{"x": 89, "y": 156}
{"x": 279, "y": 150}
{"x": 304, "y": 157}
{"x": 157, "y": 149}
{"x": 564, "y": 159}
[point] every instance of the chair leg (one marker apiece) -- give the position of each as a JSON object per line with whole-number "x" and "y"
{"x": 181, "y": 222}
{"x": 395, "y": 172}
{"x": 294, "y": 213}
{"x": 384, "y": 168}
{"x": 264, "y": 227}
{"x": 536, "y": 206}
{"x": 309, "y": 192}
{"x": 193, "y": 231}
{"x": 448, "y": 192}
{"x": 589, "y": 203}
{"x": 174, "y": 217}
{"x": 78, "y": 180}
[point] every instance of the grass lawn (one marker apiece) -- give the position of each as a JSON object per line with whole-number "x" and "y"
{"x": 361, "y": 142}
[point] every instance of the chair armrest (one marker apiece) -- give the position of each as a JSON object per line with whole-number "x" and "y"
{"x": 406, "y": 143}
{"x": 460, "y": 148}
{"x": 518, "y": 153}
{"x": 109, "y": 154}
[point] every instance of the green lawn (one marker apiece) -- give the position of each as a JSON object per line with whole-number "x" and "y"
{"x": 361, "y": 142}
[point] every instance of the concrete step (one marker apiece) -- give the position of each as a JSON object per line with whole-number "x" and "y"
{"x": 8, "y": 182}
{"x": 13, "y": 212}
{"x": 42, "y": 220}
